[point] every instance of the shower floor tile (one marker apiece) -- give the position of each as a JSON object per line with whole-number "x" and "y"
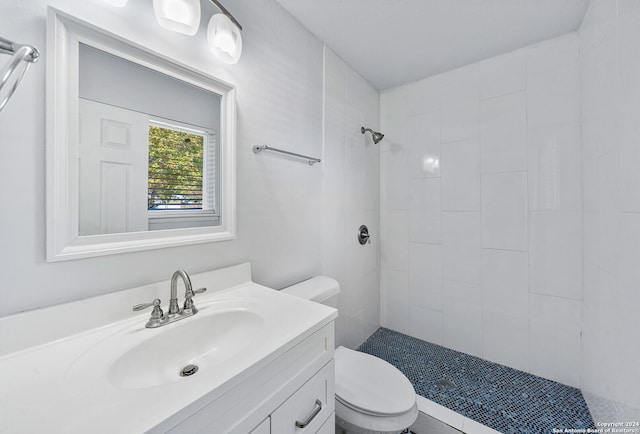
{"x": 505, "y": 399}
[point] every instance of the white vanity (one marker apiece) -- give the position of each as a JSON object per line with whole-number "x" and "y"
{"x": 265, "y": 363}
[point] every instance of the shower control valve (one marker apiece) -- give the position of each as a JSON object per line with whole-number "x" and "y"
{"x": 363, "y": 235}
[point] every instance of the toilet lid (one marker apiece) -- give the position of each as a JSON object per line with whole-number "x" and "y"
{"x": 371, "y": 385}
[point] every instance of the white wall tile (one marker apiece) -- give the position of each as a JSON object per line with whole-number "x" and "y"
{"x": 589, "y": 184}
{"x": 352, "y": 289}
{"x": 459, "y": 102}
{"x": 460, "y": 167}
{"x": 425, "y": 324}
{"x": 425, "y": 276}
{"x": 425, "y": 211}
{"x": 394, "y": 187}
{"x": 628, "y": 167}
{"x": 603, "y": 11}
{"x": 610, "y": 76}
{"x": 461, "y": 247}
{"x": 555, "y": 254}
{"x": 392, "y": 103}
{"x": 503, "y": 133}
{"x": 423, "y": 141}
{"x": 554, "y": 168}
{"x": 459, "y": 86}
{"x": 354, "y": 141}
{"x": 504, "y": 211}
{"x": 462, "y": 317}
{"x": 394, "y": 290}
{"x": 553, "y": 85}
{"x": 627, "y": 338}
{"x": 505, "y": 283}
{"x": 394, "y": 127}
{"x": 607, "y": 77}
{"x": 590, "y": 268}
{"x": 394, "y": 240}
{"x": 628, "y": 233}
{"x": 505, "y": 339}
{"x": 628, "y": 265}
{"x": 460, "y": 122}
{"x": 599, "y": 343}
{"x": 607, "y": 209}
{"x": 423, "y": 96}
{"x": 626, "y": 7}
{"x": 555, "y": 338}
{"x": 502, "y": 75}
{"x": 371, "y": 179}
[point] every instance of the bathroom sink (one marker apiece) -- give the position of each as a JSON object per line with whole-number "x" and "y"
{"x": 100, "y": 370}
{"x": 204, "y": 341}
{"x": 139, "y": 358}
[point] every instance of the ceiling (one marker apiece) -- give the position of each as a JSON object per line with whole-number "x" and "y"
{"x": 392, "y": 42}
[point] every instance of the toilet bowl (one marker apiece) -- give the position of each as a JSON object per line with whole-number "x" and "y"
{"x": 372, "y": 396}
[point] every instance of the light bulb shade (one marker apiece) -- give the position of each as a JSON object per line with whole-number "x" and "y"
{"x": 225, "y": 39}
{"x": 117, "y": 3}
{"x": 182, "y": 16}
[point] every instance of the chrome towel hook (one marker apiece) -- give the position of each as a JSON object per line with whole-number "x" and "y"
{"x": 12, "y": 73}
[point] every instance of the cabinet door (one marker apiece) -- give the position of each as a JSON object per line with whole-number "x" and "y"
{"x": 312, "y": 404}
{"x": 329, "y": 426}
{"x": 263, "y": 428}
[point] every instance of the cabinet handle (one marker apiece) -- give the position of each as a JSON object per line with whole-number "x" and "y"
{"x": 313, "y": 414}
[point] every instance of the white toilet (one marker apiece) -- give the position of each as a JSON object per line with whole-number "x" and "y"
{"x": 372, "y": 396}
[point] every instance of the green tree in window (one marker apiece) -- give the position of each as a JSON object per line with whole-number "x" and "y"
{"x": 175, "y": 169}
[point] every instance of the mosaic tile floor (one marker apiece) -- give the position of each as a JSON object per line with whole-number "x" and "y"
{"x": 505, "y": 399}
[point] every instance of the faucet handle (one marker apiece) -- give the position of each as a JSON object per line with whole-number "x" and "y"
{"x": 157, "y": 310}
{"x": 188, "y": 299}
{"x": 157, "y": 315}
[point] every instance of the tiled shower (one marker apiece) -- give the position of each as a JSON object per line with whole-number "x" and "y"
{"x": 493, "y": 248}
{"x": 509, "y": 217}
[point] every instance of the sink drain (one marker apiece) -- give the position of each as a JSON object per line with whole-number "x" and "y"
{"x": 188, "y": 370}
{"x": 446, "y": 384}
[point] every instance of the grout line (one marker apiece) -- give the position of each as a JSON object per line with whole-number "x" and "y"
{"x": 506, "y": 250}
{"x": 523, "y": 90}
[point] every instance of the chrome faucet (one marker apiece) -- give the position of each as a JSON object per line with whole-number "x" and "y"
{"x": 174, "y": 313}
{"x": 173, "y": 302}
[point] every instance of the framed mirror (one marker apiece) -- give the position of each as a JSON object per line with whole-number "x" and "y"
{"x": 140, "y": 151}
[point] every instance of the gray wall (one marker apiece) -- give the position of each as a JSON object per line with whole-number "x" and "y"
{"x": 279, "y": 100}
{"x": 118, "y": 82}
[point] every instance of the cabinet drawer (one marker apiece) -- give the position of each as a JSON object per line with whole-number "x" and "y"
{"x": 263, "y": 428}
{"x": 314, "y": 402}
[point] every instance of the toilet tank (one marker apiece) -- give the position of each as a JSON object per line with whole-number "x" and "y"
{"x": 321, "y": 289}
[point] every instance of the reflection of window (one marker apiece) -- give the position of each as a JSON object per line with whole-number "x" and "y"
{"x": 181, "y": 171}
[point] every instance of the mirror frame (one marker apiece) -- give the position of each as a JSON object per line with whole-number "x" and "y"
{"x": 64, "y": 34}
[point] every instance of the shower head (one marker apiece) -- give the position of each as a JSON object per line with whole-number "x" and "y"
{"x": 376, "y": 136}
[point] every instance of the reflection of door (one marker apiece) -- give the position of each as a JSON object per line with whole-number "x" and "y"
{"x": 113, "y": 165}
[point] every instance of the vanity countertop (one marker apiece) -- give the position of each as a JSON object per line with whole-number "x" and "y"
{"x": 115, "y": 375}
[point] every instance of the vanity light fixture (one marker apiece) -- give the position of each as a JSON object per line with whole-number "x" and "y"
{"x": 181, "y": 16}
{"x": 224, "y": 32}
{"x": 117, "y": 3}
{"x": 224, "y": 36}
